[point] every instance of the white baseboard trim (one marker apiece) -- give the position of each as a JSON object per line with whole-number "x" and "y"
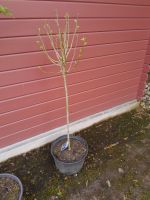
{"x": 42, "y": 139}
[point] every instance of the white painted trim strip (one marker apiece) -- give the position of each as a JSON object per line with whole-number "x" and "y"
{"x": 42, "y": 139}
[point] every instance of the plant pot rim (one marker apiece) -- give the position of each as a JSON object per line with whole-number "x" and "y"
{"x": 15, "y": 178}
{"x": 83, "y": 141}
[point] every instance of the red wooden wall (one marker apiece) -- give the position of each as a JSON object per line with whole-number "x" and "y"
{"x": 109, "y": 73}
{"x": 147, "y": 58}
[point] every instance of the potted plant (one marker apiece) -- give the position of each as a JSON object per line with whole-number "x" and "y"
{"x": 69, "y": 152}
{"x": 10, "y": 187}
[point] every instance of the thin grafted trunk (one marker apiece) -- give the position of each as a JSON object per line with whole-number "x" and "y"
{"x": 67, "y": 107}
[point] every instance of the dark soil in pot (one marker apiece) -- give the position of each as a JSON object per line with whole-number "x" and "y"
{"x": 76, "y": 152}
{"x": 69, "y": 162}
{"x": 10, "y": 188}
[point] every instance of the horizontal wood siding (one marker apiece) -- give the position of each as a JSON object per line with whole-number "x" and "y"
{"x": 17, "y": 45}
{"x": 124, "y": 2}
{"x": 109, "y": 73}
{"x": 147, "y": 58}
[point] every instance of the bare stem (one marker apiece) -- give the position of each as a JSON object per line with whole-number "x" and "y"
{"x": 67, "y": 106}
{"x": 73, "y": 37}
{"x": 74, "y": 52}
{"x": 46, "y": 53}
{"x": 50, "y": 36}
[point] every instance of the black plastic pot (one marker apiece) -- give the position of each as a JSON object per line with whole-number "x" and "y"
{"x": 73, "y": 167}
{"x": 17, "y": 180}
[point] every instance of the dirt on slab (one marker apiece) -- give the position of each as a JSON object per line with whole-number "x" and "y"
{"x": 117, "y": 165}
{"x": 126, "y": 178}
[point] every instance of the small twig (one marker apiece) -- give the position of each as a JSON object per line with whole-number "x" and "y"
{"x": 46, "y": 72}
{"x": 45, "y": 51}
{"x": 74, "y": 52}
{"x": 74, "y": 34}
{"x": 49, "y": 34}
{"x": 111, "y": 145}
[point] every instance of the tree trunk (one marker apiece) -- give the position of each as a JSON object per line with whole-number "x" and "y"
{"x": 67, "y": 108}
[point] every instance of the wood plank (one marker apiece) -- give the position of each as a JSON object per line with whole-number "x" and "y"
{"x": 148, "y": 50}
{"x": 41, "y": 128}
{"x": 124, "y": 2}
{"x": 83, "y": 91}
{"x": 19, "y": 45}
{"x": 39, "y": 59}
{"x": 50, "y": 116}
{"x": 32, "y": 74}
{"x": 14, "y": 28}
{"x": 27, "y": 88}
{"x": 46, "y": 9}
{"x": 31, "y": 111}
{"x": 147, "y": 59}
{"x": 55, "y": 114}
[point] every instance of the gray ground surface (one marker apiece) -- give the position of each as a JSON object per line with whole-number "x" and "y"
{"x": 122, "y": 179}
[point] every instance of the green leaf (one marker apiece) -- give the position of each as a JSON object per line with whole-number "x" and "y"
{"x": 5, "y": 11}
